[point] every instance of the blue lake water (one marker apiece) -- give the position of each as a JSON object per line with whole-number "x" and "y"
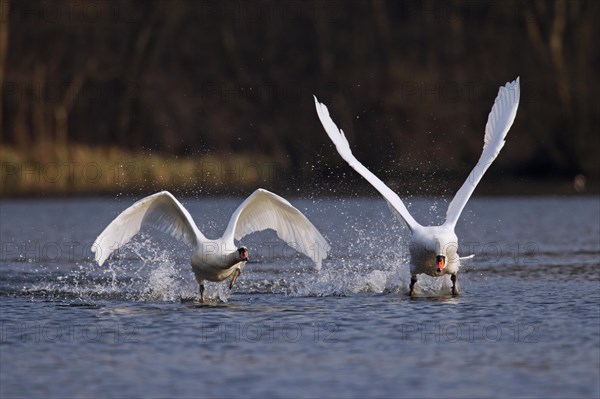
{"x": 527, "y": 322}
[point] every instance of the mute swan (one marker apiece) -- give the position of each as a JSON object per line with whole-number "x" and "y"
{"x": 433, "y": 249}
{"x": 215, "y": 259}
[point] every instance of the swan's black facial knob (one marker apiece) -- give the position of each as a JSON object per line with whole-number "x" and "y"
{"x": 243, "y": 252}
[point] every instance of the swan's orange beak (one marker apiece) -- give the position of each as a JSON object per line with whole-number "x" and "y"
{"x": 440, "y": 261}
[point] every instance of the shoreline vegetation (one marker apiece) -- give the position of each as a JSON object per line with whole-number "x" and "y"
{"x": 80, "y": 170}
{"x": 83, "y": 170}
{"x": 216, "y": 97}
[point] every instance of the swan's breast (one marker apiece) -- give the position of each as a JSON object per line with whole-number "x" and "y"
{"x": 213, "y": 272}
{"x": 215, "y": 265}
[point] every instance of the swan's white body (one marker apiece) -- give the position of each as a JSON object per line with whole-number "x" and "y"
{"x": 214, "y": 259}
{"x": 429, "y": 243}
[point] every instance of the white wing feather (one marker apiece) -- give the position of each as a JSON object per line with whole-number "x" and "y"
{"x": 343, "y": 148}
{"x": 264, "y": 210}
{"x": 161, "y": 211}
{"x": 500, "y": 120}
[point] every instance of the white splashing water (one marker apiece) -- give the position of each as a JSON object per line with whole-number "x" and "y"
{"x": 149, "y": 270}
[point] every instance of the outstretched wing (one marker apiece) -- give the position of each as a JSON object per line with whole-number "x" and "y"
{"x": 264, "y": 210}
{"x": 499, "y": 122}
{"x": 341, "y": 144}
{"x": 161, "y": 211}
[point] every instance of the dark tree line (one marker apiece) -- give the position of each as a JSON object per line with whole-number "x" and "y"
{"x": 410, "y": 82}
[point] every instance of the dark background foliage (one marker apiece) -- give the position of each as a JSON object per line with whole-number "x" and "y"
{"x": 410, "y": 82}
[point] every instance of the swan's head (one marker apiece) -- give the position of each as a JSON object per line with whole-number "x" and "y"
{"x": 445, "y": 251}
{"x": 243, "y": 253}
{"x": 440, "y": 262}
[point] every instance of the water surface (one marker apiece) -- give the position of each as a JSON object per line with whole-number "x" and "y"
{"x": 527, "y": 322}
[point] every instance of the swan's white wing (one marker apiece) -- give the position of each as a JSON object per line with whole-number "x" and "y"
{"x": 160, "y": 210}
{"x": 264, "y": 210}
{"x": 499, "y": 122}
{"x": 341, "y": 144}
